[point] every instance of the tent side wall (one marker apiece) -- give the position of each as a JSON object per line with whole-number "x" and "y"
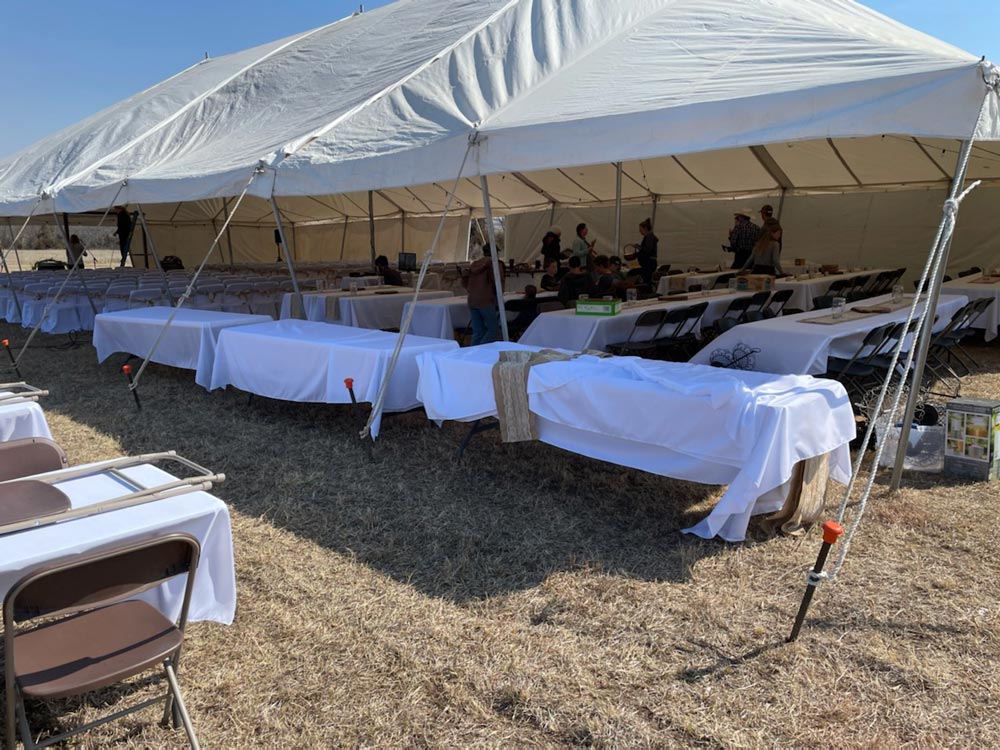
{"x": 889, "y": 229}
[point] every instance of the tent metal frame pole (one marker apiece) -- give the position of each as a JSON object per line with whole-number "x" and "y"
{"x": 927, "y": 331}
{"x": 402, "y": 231}
{"x": 10, "y": 283}
{"x": 78, "y": 264}
{"x": 147, "y": 240}
{"x": 491, "y": 231}
{"x": 652, "y": 218}
{"x": 17, "y": 255}
{"x": 229, "y": 237}
{"x": 288, "y": 253}
{"x": 343, "y": 237}
{"x": 371, "y": 223}
{"x": 618, "y": 208}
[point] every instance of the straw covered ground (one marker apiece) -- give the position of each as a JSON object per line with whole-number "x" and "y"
{"x": 531, "y": 598}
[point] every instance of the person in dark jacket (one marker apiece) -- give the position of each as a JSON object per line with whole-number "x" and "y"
{"x": 551, "y": 247}
{"x": 390, "y": 276}
{"x": 481, "y": 285}
{"x": 123, "y": 232}
{"x": 645, "y": 251}
{"x": 575, "y": 282}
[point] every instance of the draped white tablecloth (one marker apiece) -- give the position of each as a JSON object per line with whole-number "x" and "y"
{"x": 804, "y": 290}
{"x": 199, "y": 514}
{"x": 564, "y": 329}
{"x": 300, "y": 360}
{"x": 359, "y": 281}
{"x": 787, "y": 345}
{"x": 188, "y": 343}
{"x": 438, "y": 318}
{"x": 380, "y": 310}
{"x": 701, "y": 424}
{"x": 22, "y": 419}
{"x": 314, "y": 304}
{"x": 687, "y": 280}
{"x": 989, "y": 321}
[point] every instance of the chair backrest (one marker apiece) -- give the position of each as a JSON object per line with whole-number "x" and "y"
{"x": 265, "y": 286}
{"x": 779, "y": 298}
{"x": 665, "y": 268}
{"x": 550, "y": 306}
{"x": 838, "y": 286}
{"x": 648, "y": 319}
{"x": 969, "y": 272}
{"x": 758, "y": 300}
{"x": 238, "y": 287}
{"x": 673, "y": 322}
{"x": 76, "y": 583}
{"x": 693, "y": 317}
{"x": 823, "y": 302}
{"x": 737, "y": 307}
{"x": 30, "y": 456}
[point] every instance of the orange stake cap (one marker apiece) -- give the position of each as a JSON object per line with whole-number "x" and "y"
{"x": 348, "y": 383}
{"x": 127, "y": 369}
{"x": 6, "y": 342}
{"x": 832, "y": 531}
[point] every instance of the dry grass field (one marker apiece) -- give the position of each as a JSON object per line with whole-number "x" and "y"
{"x": 530, "y": 598}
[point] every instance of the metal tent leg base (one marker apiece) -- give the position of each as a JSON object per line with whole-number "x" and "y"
{"x": 480, "y": 425}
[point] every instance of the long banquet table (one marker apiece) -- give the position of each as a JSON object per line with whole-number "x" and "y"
{"x": 22, "y": 418}
{"x": 300, "y": 360}
{"x": 438, "y": 318}
{"x": 382, "y": 309}
{"x": 324, "y": 306}
{"x": 701, "y": 424}
{"x": 976, "y": 287}
{"x": 804, "y": 290}
{"x": 564, "y": 329}
{"x": 200, "y": 514}
{"x": 789, "y": 345}
{"x": 189, "y": 342}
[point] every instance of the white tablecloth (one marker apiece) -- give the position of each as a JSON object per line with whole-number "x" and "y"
{"x": 300, "y": 360}
{"x": 380, "y": 310}
{"x": 22, "y": 419}
{"x": 438, "y": 318}
{"x": 803, "y": 291}
{"x": 687, "y": 280}
{"x": 199, "y": 514}
{"x": 989, "y": 321}
{"x": 700, "y": 424}
{"x": 360, "y": 281}
{"x": 314, "y": 303}
{"x": 787, "y": 345}
{"x": 189, "y": 343}
{"x": 564, "y": 329}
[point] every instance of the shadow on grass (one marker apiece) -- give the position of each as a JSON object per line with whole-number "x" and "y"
{"x": 502, "y": 520}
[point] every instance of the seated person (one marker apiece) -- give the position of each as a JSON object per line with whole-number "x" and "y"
{"x": 526, "y": 309}
{"x": 390, "y": 276}
{"x": 604, "y": 281}
{"x": 575, "y": 282}
{"x": 616, "y": 268}
{"x": 553, "y": 274}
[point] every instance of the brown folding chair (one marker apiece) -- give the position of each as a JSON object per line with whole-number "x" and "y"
{"x": 30, "y": 456}
{"x": 93, "y": 635}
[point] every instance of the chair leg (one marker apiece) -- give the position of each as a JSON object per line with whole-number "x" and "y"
{"x": 29, "y": 743}
{"x": 11, "y": 729}
{"x": 178, "y": 704}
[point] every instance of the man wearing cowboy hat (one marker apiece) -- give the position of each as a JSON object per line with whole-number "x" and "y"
{"x": 742, "y": 237}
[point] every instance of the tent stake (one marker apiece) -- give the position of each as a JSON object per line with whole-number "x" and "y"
{"x": 831, "y": 533}
{"x": 10, "y": 354}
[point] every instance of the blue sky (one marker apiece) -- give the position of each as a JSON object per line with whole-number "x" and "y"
{"x": 61, "y": 60}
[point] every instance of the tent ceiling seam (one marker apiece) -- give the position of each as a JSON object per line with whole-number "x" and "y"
{"x": 690, "y": 174}
{"x": 390, "y": 201}
{"x": 843, "y": 162}
{"x": 932, "y": 160}
{"x": 563, "y": 173}
{"x": 531, "y": 185}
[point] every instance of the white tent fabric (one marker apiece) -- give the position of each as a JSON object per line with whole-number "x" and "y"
{"x": 698, "y": 98}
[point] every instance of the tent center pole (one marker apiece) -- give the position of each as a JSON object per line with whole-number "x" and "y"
{"x": 618, "y": 208}
{"x": 491, "y": 231}
{"x": 300, "y": 305}
{"x": 927, "y": 332}
{"x": 371, "y": 224}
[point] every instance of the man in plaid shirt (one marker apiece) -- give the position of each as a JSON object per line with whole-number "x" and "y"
{"x": 742, "y": 237}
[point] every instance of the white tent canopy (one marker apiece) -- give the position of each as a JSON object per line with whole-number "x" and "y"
{"x": 700, "y": 99}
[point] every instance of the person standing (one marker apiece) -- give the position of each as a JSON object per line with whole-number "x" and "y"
{"x": 582, "y": 249}
{"x": 551, "y": 247}
{"x": 76, "y": 251}
{"x": 766, "y": 255}
{"x": 123, "y": 232}
{"x": 646, "y": 251}
{"x": 742, "y": 237}
{"x": 766, "y": 216}
{"x": 481, "y": 285}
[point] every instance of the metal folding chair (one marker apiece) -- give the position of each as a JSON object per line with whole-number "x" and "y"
{"x": 649, "y": 322}
{"x": 93, "y": 634}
